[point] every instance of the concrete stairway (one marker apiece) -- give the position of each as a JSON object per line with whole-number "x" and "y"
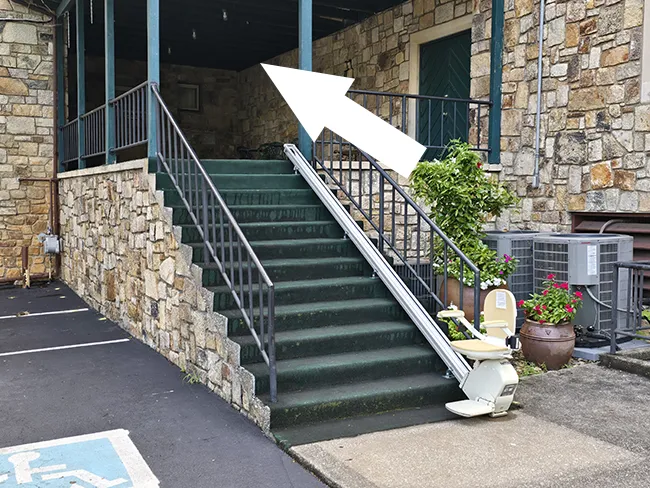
{"x": 345, "y": 347}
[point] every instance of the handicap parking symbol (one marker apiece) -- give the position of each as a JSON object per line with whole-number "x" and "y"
{"x": 102, "y": 460}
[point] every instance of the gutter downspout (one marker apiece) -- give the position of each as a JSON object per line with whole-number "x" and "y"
{"x": 538, "y": 115}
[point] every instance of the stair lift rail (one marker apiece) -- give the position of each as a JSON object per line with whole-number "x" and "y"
{"x": 403, "y": 230}
{"x": 224, "y": 242}
{"x": 415, "y": 310}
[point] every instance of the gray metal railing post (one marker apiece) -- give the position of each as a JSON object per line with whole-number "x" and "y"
{"x": 612, "y": 348}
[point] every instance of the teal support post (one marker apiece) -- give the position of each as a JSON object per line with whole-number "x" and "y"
{"x": 81, "y": 81}
{"x": 305, "y": 39}
{"x": 153, "y": 73}
{"x": 109, "y": 57}
{"x": 60, "y": 91}
{"x": 496, "y": 74}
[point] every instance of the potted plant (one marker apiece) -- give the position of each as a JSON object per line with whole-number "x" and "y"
{"x": 462, "y": 197}
{"x": 547, "y": 336}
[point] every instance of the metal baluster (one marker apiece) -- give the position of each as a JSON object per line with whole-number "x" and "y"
{"x": 261, "y": 306}
{"x": 442, "y": 123}
{"x": 240, "y": 264}
{"x": 429, "y": 112}
{"x": 477, "y": 300}
{"x": 381, "y": 213}
{"x": 392, "y": 220}
{"x": 222, "y": 237}
{"x": 271, "y": 351}
{"x": 406, "y": 215}
{"x": 478, "y": 126}
{"x": 445, "y": 258}
{"x": 462, "y": 282}
{"x": 612, "y": 338}
{"x": 206, "y": 251}
{"x": 250, "y": 290}
{"x": 232, "y": 258}
{"x": 370, "y": 199}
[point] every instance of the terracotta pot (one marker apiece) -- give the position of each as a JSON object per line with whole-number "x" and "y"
{"x": 453, "y": 296}
{"x": 548, "y": 344}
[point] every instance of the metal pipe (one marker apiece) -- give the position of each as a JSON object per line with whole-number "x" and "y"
{"x": 538, "y": 115}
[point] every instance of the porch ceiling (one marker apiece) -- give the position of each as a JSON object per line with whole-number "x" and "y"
{"x": 198, "y": 33}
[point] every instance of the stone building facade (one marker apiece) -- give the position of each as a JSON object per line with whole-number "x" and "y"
{"x": 595, "y": 130}
{"x": 26, "y": 134}
{"x": 123, "y": 256}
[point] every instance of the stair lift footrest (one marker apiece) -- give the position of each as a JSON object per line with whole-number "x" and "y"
{"x": 469, "y": 408}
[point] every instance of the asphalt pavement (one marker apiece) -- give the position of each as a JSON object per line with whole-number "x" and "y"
{"x": 52, "y": 389}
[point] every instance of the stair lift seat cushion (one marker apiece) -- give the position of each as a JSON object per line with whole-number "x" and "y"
{"x": 481, "y": 350}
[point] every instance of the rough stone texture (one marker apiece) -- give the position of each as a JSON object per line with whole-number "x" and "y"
{"x": 211, "y": 130}
{"x": 26, "y": 136}
{"x": 376, "y": 49}
{"x": 123, "y": 256}
{"x": 593, "y": 127}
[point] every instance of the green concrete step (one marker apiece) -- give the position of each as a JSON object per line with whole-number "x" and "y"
{"x": 292, "y": 270}
{"x": 308, "y": 290}
{"x": 332, "y": 340}
{"x": 360, "y": 398}
{"x": 255, "y": 197}
{"x": 262, "y": 231}
{"x": 289, "y": 248}
{"x": 247, "y": 166}
{"x": 313, "y": 372}
{"x": 323, "y": 314}
{"x": 244, "y": 182}
{"x": 262, "y": 213}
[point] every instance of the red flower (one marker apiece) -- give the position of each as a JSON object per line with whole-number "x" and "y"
{"x": 579, "y": 295}
{"x": 569, "y": 308}
{"x": 564, "y": 286}
{"x": 520, "y": 303}
{"x": 537, "y": 309}
{"x": 542, "y": 321}
{"x": 545, "y": 292}
{"x": 479, "y": 165}
{"x": 550, "y": 277}
{"x": 544, "y": 307}
{"x": 574, "y": 301}
{"x": 556, "y": 285}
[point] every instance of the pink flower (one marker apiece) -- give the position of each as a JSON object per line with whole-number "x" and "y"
{"x": 544, "y": 307}
{"x": 569, "y": 308}
{"x": 520, "y": 303}
{"x": 537, "y": 309}
{"x": 542, "y": 321}
{"x": 579, "y": 295}
{"x": 550, "y": 277}
{"x": 574, "y": 301}
{"x": 545, "y": 292}
{"x": 564, "y": 286}
{"x": 507, "y": 258}
{"x": 556, "y": 285}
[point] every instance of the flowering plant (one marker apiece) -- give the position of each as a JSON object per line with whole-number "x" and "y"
{"x": 555, "y": 305}
{"x": 462, "y": 197}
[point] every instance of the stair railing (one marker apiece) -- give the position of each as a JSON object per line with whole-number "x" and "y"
{"x": 403, "y": 230}
{"x": 224, "y": 242}
{"x": 398, "y": 288}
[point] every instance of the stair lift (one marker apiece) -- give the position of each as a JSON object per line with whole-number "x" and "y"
{"x": 490, "y": 385}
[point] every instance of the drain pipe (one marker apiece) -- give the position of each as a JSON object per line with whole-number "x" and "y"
{"x": 538, "y": 115}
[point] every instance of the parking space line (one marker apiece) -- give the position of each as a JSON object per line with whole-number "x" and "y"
{"x": 59, "y": 348}
{"x": 40, "y": 314}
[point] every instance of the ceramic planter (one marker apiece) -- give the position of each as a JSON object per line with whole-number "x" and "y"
{"x": 453, "y": 296}
{"x": 547, "y": 344}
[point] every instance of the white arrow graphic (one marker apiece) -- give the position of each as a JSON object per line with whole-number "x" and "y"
{"x": 319, "y": 100}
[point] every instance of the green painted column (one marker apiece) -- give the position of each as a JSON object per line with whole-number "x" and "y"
{"x": 153, "y": 71}
{"x": 496, "y": 75}
{"x": 60, "y": 89}
{"x": 109, "y": 59}
{"x": 81, "y": 80}
{"x": 305, "y": 41}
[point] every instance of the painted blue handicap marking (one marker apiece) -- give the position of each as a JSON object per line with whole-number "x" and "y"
{"x": 103, "y": 460}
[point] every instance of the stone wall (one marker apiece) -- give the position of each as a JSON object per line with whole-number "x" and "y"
{"x": 377, "y": 50}
{"x": 595, "y": 131}
{"x": 211, "y": 131}
{"x": 26, "y": 135}
{"x": 123, "y": 256}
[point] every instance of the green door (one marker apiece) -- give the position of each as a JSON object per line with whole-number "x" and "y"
{"x": 444, "y": 72}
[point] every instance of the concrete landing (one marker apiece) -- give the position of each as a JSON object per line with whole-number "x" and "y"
{"x": 587, "y": 426}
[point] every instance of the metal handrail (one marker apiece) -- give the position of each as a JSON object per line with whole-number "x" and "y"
{"x": 203, "y": 201}
{"x": 636, "y": 272}
{"x": 127, "y": 93}
{"x": 378, "y": 178}
{"x": 411, "y": 112}
{"x": 415, "y": 310}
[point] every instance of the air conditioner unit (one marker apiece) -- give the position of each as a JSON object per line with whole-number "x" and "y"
{"x": 586, "y": 262}
{"x": 518, "y": 244}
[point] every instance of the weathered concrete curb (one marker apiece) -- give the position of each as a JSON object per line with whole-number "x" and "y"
{"x": 636, "y": 361}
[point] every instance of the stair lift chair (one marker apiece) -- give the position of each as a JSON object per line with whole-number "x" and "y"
{"x": 491, "y": 384}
